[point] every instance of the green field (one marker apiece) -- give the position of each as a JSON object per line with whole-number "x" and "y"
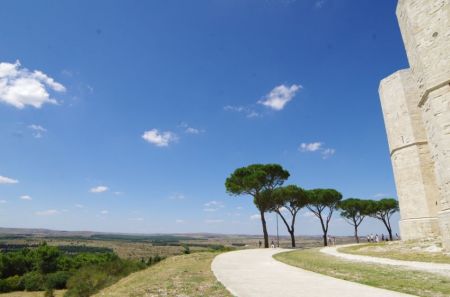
{"x": 386, "y": 277}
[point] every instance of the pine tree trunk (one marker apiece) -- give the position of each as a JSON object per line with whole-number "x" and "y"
{"x": 264, "y": 225}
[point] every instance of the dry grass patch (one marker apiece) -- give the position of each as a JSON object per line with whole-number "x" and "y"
{"x": 386, "y": 277}
{"x": 58, "y": 293}
{"x": 183, "y": 276}
{"x": 422, "y": 251}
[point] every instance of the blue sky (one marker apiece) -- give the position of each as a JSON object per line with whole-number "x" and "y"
{"x": 128, "y": 115}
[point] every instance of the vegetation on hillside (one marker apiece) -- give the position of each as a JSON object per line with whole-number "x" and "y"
{"x": 185, "y": 275}
{"x": 48, "y": 267}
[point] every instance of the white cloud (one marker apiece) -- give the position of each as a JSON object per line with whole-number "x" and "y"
{"x": 38, "y": 130}
{"x": 283, "y": 209}
{"x": 104, "y": 212}
{"x": 212, "y": 206}
{"x": 234, "y": 108}
{"x": 118, "y": 193}
{"x": 99, "y": 189}
{"x": 179, "y": 221}
{"x": 79, "y": 205}
{"x": 136, "y": 219}
{"x": 2, "y": 201}
{"x": 280, "y": 96}
{"x": 177, "y": 196}
{"x": 320, "y": 3}
{"x": 239, "y": 208}
{"x": 255, "y": 217}
{"x": 49, "y": 212}
{"x": 380, "y": 195}
{"x": 317, "y": 147}
{"x": 214, "y": 221}
{"x": 26, "y": 197}
{"x": 327, "y": 153}
{"x": 310, "y": 147}
{"x": 160, "y": 139}
{"x": 20, "y": 87}
{"x": 7, "y": 180}
{"x": 249, "y": 112}
{"x": 308, "y": 214}
{"x": 190, "y": 130}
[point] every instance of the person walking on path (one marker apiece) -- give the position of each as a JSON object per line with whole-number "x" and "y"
{"x": 260, "y": 244}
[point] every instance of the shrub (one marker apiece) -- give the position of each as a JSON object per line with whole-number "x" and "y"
{"x": 12, "y": 283}
{"x": 33, "y": 281}
{"x": 57, "y": 280}
{"x": 90, "y": 279}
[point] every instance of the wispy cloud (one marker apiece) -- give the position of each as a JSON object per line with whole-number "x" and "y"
{"x": 180, "y": 221}
{"x": 280, "y": 96}
{"x": 248, "y": 111}
{"x": 136, "y": 219}
{"x": 38, "y": 130}
{"x": 25, "y": 197}
{"x": 380, "y": 195}
{"x": 104, "y": 212}
{"x": 214, "y": 221}
{"x": 255, "y": 217}
{"x": 3, "y": 201}
{"x": 319, "y": 4}
{"x": 159, "y": 139}
{"x": 7, "y": 180}
{"x": 177, "y": 196}
{"x": 310, "y": 147}
{"x": 20, "y": 87}
{"x": 48, "y": 212}
{"x": 190, "y": 130}
{"x": 213, "y": 206}
{"x": 327, "y": 153}
{"x": 99, "y": 189}
{"x": 79, "y": 205}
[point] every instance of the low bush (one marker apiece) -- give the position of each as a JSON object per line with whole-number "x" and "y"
{"x": 57, "y": 280}
{"x": 12, "y": 283}
{"x": 33, "y": 281}
{"x": 92, "y": 278}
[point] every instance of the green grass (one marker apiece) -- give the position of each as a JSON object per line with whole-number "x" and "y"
{"x": 186, "y": 275}
{"x": 386, "y": 277}
{"x": 397, "y": 251}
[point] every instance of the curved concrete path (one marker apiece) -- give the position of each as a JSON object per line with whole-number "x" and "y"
{"x": 254, "y": 273}
{"x": 443, "y": 269}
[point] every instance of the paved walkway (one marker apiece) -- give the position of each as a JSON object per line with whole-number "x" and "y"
{"x": 254, "y": 273}
{"x": 443, "y": 269}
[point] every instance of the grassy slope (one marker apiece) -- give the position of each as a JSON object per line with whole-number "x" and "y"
{"x": 59, "y": 293}
{"x": 391, "y": 278}
{"x": 186, "y": 275}
{"x": 397, "y": 251}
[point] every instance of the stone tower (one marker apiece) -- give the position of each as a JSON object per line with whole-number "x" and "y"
{"x": 416, "y": 108}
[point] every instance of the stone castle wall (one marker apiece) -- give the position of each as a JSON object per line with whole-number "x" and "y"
{"x": 416, "y": 108}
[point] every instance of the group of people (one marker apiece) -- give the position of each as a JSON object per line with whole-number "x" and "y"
{"x": 376, "y": 238}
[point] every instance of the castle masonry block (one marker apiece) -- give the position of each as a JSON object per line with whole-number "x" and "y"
{"x": 410, "y": 155}
{"x": 416, "y": 107}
